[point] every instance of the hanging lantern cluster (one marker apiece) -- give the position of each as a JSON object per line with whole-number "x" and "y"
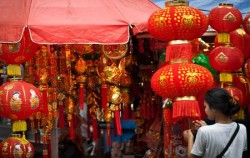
{"x": 180, "y": 80}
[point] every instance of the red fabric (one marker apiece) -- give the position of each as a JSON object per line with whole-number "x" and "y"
{"x": 81, "y": 97}
{"x": 67, "y": 21}
{"x": 72, "y": 130}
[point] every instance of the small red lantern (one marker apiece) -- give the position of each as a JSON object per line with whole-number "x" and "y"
{"x": 226, "y": 58}
{"x": 240, "y": 81}
{"x": 236, "y": 93}
{"x": 14, "y": 147}
{"x": 246, "y": 24}
{"x": 18, "y": 101}
{"x": 224, "y": 19}
{"x": 177, "y": 22}
{"x": 18, "y": 53}
{"x": 181, "y": 79}
{"x": 246, "y": 68}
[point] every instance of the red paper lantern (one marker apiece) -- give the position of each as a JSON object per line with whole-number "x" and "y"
{"x": 19, "y": 100}
{"x": 224, "y": 19}
{"x": 14, "y": 147}
{"x": 246, "y": 24}
{"x": 240, "y": 39}
{"x": 240, "y": 81}
{"x": 18, "y": 53}
{"x": 246, "y": 68}
{"x": 181, "y": 79}
{"x": 236, "y": 93}
{"x": 226, "y": 58}
{"x": 177, "y": 23}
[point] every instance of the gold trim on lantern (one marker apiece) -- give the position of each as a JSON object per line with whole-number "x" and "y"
{"x": 185, "y": 98}
{"x": 226, "y": 4}
{"x": 179, "y": 60}
{"x": 178, "y": 42}
{"x": 177, "y": 3}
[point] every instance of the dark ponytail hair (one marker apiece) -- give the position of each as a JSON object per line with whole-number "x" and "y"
{"x": 220, "y": 99}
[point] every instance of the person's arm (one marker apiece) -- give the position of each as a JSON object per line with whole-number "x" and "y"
{"x": 189, "y": 138}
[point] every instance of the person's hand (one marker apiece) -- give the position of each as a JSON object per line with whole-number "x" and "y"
{"x": 188, "y": 135}
{"x": 198, "y": 123}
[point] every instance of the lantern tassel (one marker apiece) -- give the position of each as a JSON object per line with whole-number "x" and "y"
{"x": 81, "y": 97}
{"x": 72, "y": 130}
{"x": 185, "y": 109}
{"x": 226, "y": 77}
{"x": 179, "y": 50}
{"x": 14, "y": 70}
{"x": 223, "y": 38}
{"x": 118, "y": 120}
{"x": 18, "y": 126}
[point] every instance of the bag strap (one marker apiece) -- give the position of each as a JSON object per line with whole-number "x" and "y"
{"x": 229, "y": 142}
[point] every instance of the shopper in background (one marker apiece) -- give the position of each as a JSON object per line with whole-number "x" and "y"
{"x": 211, "y": 140}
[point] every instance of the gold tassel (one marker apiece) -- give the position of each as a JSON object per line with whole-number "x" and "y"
{"x": 18, "y": 126}
{"x": 223, "y": 38}
{"x": 226, "y": 77}
{"x": 13, "y": 70}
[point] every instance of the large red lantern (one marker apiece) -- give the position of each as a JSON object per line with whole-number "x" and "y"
{"x": 18, "y": 101}
{"x": 182, "y": 82}
{"x": 226, "y": 58}
{"x": 181, "y": 79}
{"x": 18, "y": 53}
{"x": 224, "y": 19}
{"x": 14, "y": 147}
{"x": 246, "y": 24}
{"x": 177, "y": 22}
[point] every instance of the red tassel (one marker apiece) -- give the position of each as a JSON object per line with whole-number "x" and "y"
{"x": 61, "y": 121}
{"x": 81, "y": 96}
{"x": 179, "y": 50}
{"x": 72, "y": 129}
{"x": 95, "y": 129}
{"x": 118, "y": 120}
{"x": 45, "y": 153}
{"x": 104, "y": 93}
{"x": 108, "y": 135}
{"x": 186, "y": 109}
{"x": 44, "y": 108}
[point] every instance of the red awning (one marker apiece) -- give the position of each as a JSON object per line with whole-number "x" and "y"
{"x": 74, "y": 21}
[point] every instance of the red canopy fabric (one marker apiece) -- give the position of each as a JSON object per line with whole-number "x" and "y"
{"x": 74, "y": 21}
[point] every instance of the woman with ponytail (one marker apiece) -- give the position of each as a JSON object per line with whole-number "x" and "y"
{"x": 211, "y": 140}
